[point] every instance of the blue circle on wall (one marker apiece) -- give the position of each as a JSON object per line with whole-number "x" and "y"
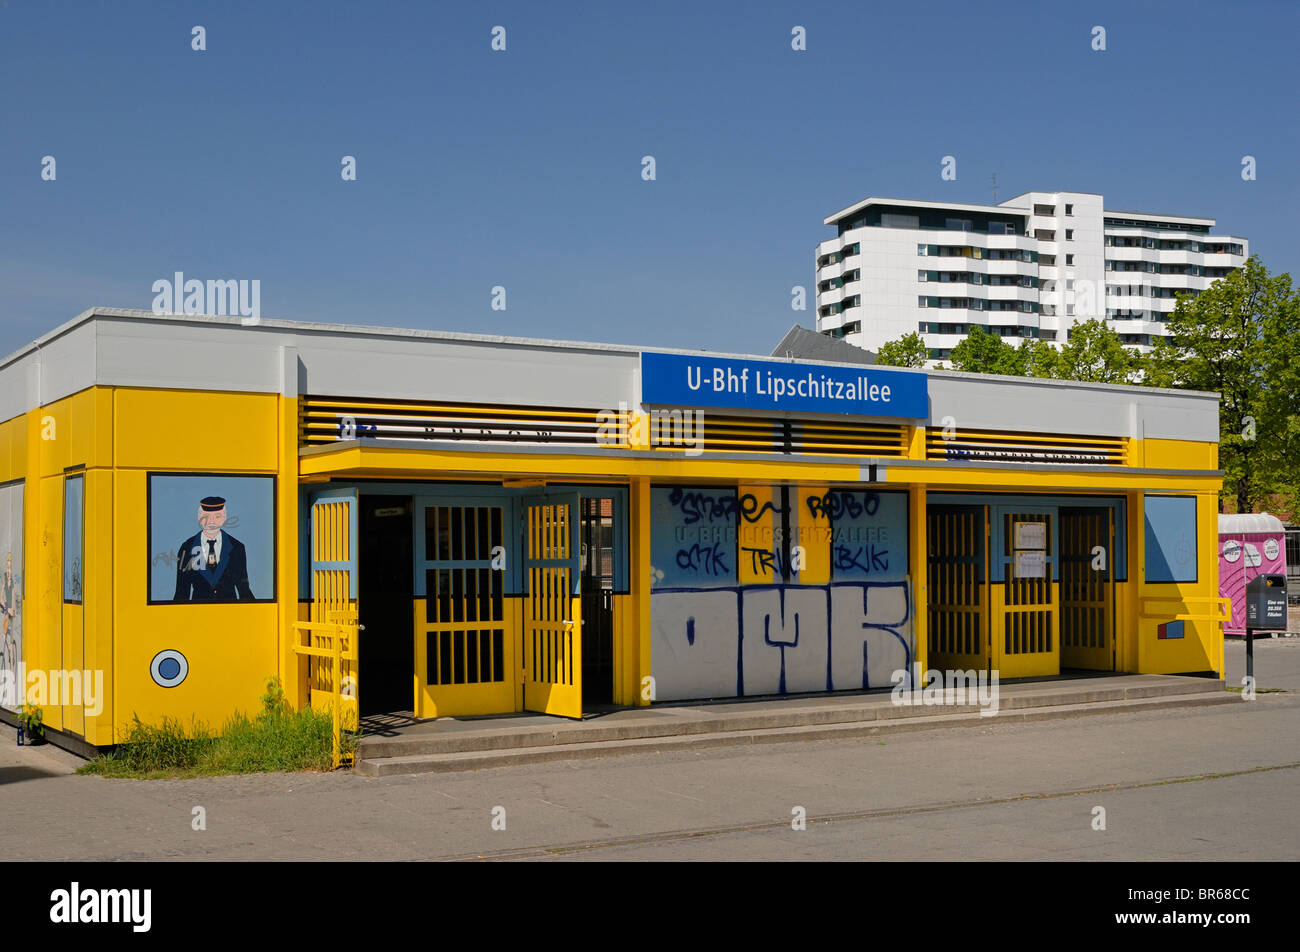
{"x": 169, "y": 668}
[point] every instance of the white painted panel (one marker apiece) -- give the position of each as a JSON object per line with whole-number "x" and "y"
{"x": 1037, "y": 407}
{"x": 694, "y": 643}
{"x": 67, "y": 364}
{"x": 786, "y": 639}
{"x": 227, "y": 356}
{"x": 189, "y": 356}
{"x": 796, "y": 638}
{"x": 15, "y": 398}
{"x": 1181, "y": 420}
{"x": 1034, "y": 407}
{"x": 468, "y": 372}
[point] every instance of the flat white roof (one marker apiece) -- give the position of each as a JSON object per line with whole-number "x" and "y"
{"x": 913, "y": 203}
{"x": 1047, "y": 191}
{"x": 1147, "y": 216}
{"x": 117, "y": 347}
{"x": 1005, "y": 208}
{"x": 377, "y": 332}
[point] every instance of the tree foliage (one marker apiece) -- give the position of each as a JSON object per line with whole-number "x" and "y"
{"x": 908, "y": 351}
{"x": 1095, "y": 354}
{"x": 985, "y": 353}
{"x": 1041, "y": 359}
{"x": 1241, "y": 339}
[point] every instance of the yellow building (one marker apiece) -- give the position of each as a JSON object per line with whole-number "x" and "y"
{"x": 483, "y": 524}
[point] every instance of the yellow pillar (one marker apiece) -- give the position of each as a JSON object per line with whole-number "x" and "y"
{"x": 286, "y": 583}
{"x": 637, "y": 633}
{"x": 916, "y": 443}
{"x": 917, "y": 559}
{"x": 1137, "y": 579}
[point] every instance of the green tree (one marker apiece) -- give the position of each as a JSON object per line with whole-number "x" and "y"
{"x": 1241, "y": 338}
{"x": 985, "y": 353}
{"x": 1094, "y": 354}
{"x": 908, "y": 351}
{"x": 1040, "y": 358}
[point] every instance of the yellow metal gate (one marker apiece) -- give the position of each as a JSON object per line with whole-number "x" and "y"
{"x": 552, "y": 628}
{"x": 1087, "y": 589}
{"x": 464, "y": 641}
{"x": 1024, "y": 608}
{"x": 328, "y": 640}
{"x": 957, "y": 610}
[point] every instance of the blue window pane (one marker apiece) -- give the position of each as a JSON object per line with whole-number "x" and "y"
{"x": 1170, "y": 538}
{"x": 73, "y": 557}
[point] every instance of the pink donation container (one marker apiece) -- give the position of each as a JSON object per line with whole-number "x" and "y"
{"x": 1250, "y": 544}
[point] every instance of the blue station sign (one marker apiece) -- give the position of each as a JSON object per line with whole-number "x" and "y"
{"x": 686, "y": 380}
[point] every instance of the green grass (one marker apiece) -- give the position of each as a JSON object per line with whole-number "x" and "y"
{"x": 278, "y": 738}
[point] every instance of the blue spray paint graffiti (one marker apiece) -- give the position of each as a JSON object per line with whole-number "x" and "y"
{"x": 694, "y": 537}
{"x": 841, "y": 636}
{"x": 704, "y": 560}
{"x": 868, "y": 532}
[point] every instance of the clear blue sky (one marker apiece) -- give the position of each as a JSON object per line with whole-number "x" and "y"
{"x": 523, "y": 168}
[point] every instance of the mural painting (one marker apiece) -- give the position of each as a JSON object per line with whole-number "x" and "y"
{"x": 231, "y": 556}
{"x": 11, "y": 588}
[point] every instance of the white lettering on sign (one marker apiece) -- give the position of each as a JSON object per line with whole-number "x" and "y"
{"x": 808, "y": 386}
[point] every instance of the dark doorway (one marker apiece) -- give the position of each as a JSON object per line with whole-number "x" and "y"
{"x": 385, "y": 600}
{"x": 596, "y": 534}
{"x": 1088, "y": 589}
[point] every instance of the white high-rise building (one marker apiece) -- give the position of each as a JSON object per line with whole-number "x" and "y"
{"x": 1031, "y": 266}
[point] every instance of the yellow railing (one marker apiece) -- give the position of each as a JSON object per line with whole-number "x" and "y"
{"x": 1224, "y": 606}
{"x": 341, "y": 631}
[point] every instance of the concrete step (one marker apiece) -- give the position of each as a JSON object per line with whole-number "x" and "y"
{"x": 410, "y": 761}
{"x": 500, "y": 734}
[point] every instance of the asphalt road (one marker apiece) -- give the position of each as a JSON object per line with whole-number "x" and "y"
{"x": 1219, "y": 783}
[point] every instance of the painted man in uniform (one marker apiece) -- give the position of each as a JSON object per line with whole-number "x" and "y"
{"x": 212, "y": 565}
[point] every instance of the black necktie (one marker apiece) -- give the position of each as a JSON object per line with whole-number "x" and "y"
{"x": 212, "y": 555}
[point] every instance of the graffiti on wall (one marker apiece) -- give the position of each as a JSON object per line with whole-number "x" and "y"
{"x": 869, "y": 535}
{"x": 11, "y": 585}
{"x": 694, "y": 540}
{"x": 778, "y": 639}
{"x": 702, "y": 537}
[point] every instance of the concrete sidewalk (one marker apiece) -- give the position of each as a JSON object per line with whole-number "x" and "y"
{"x": 448, "y": 744}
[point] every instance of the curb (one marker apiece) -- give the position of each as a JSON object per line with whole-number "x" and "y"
{"x": 587, "y": 750}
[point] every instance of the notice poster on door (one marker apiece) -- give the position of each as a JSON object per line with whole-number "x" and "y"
{"x": 1031, "y": 535}
{"x": 1031, "y": 565}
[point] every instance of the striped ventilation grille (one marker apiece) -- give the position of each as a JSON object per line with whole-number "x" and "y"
{"x": 324, "y": 420}
{"x": 990, "y": 446}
